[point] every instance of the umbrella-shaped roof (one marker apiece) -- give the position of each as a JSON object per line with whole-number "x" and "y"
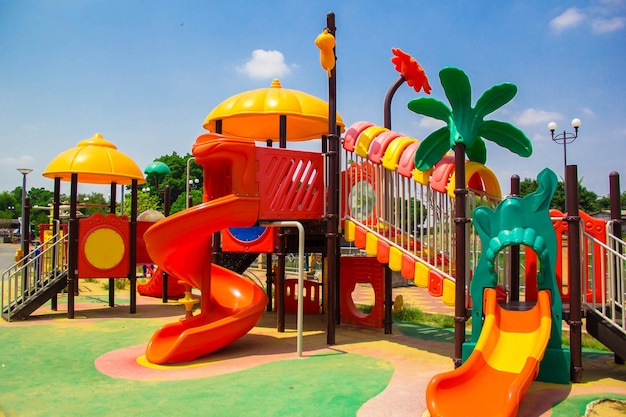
{"x": 96, "y": 161}
{"x": 158, "y": 168}
{"x": 255, "y": 114}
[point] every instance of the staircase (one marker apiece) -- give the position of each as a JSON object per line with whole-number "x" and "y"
{"x": 605, "y": 309}
{"x": 35, "y": 279}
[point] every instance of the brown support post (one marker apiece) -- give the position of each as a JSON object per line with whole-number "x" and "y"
{"x": 616, "y": 218}
{"x": 270, "y": 279}
{"x": 460, "y": 221}
{"x": 388, "y": 284}
{"x": 573, "y": 254}
{"x": 166, "y": 212}
{"x": 515, "y": 249}
{"x": 280, "y": 281}
{"x": 112, "y": 207}
{"x": 388, "y": 97}
{"x": 132, "y": 258}
{"x": 388, "y": 303}
{"x": 56, "y": 215}
{"x": 281, "y": 249}
{"x": 72, "y": 261}
{"x": 332, "y": 211}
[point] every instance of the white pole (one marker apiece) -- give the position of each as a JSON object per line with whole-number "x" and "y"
{"x": 300, "y": 316}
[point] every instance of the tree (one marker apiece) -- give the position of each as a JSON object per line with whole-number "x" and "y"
{"x": 181, "y": 202}
{"x": 588, "y": 201}
{"x": 604, "y": 203}
{"x": 8, "y": 206}
{"x": 145, "y": 201}
{"x": 177, "y": 180}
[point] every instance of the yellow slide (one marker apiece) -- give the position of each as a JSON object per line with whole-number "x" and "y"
{"x": 504, "y": 363}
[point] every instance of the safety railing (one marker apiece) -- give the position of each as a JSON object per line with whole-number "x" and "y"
{"x": 608, "y": 300}
{"x": 33, "y": 275}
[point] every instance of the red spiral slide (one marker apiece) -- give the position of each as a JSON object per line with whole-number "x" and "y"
{"x": 230, "y": 305}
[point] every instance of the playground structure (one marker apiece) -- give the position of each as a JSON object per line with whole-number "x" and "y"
{"x": 405, "y": 217}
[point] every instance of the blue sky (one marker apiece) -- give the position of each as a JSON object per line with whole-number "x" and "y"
{"x": 145, "y": 74}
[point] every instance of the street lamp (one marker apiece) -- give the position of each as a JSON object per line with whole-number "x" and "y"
{"x": 24, "y": 172}
{"x": 564, "y": 139}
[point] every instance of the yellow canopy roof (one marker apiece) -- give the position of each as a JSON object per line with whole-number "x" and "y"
{"x": 96, "y": 161}
{"x": 255, "y": 114}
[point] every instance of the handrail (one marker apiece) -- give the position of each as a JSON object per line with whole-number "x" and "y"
{"x": 32, "y": 275}
{"x": 613, "y": 268}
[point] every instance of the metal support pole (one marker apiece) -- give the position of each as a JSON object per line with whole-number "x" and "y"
{"x": 461, "y": 221}
{"x": 72, "y": 275}
{"x": 616, "y": 218}
{"x": 515, "y": 250}
{"x": 132, "y": 273}
{"x": 575, "y": 276}
{"x": 56, "y": 215}
{"x": 332, "y": 219}
{"x": 112, "y": 204}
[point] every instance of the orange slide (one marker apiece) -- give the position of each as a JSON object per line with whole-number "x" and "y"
{"x": 504, "y": 363}
{"x": 230, "y": 305}
{"x": 154, "y": 287}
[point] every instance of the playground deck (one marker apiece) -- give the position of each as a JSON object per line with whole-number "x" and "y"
{"x": 93, "y": 365}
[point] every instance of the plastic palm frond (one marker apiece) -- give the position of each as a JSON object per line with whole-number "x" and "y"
{"x": 432, "y": 149}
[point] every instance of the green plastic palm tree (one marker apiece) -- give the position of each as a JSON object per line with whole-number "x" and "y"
{"x": 466, "y": 124}
{"x": 465, "y": 130}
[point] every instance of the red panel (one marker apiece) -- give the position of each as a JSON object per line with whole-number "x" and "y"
{"x": 353, "y": 133}
{"x": 291, "y": 184}
{"x": 310, "y": 296}
{"x": 593, "y": 226}
{"x": 435, "y": 283}
{"x": 596, "y": 228}
{"x": 361, "y": 270}
{"x": 88, "y": 230}
{"x": 142, "y": 253}
{"x": 382, "y": 254}
{"x": 441, "y": 174}
{"x": 360, "y": 237}
{"x": 408, "y": 267}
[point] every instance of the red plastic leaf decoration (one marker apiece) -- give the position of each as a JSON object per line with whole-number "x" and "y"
{"x": 411, "y": 70}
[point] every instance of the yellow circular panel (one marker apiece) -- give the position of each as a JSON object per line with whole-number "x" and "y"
{"x": 104, "y": 248}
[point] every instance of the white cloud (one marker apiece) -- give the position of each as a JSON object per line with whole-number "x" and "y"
{"x": 430, "y": 123}
{"x": 572, "y": 17}
{"x": 608, "y": 25}
{"x": 587, "y": 111}
{"x": 531, "y": 117}
{"x": 265, "y": 64}
{"x": 21, "y": 161}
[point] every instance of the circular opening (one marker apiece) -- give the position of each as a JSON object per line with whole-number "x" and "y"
{"x": 361, "y": 200}
{"x": 363, "y": 298}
